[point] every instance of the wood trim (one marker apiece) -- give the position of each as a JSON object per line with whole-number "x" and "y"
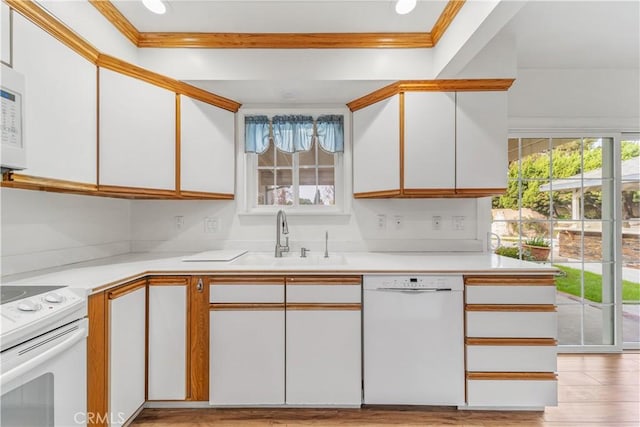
{"x": 168, "y": 281}
{"x": 285, "y": 40}
{"x": 97, "y": 126}
{"x": 509, "y": 281}
{"x": 119, "y": 66}
{"x": 97, "y": 356}
{"x": 136, "y": 191}
{"x": 43, "y": 19}
{"x": 267, "y": 306}
{"x": 17, "y": 180}
{"x": 324, "y": 280}
{"x": 126, "y": 289}
{"x": 202, "y": 195}
{"x": 178, "y": 141}
{"x": 511, "y": 307}
{"x": 146, "y": 343}
{"x": 198, "y": 341}
{"x": 428, "y": 192}
{"x": 479, "y": 192}
{"x": 378, "y": 194}
{"x": 323, "y": 306}
{"x": 401, "y": 140}
{"x": 117, "y": 19}
{"x": 447, "y": 85}
{"x": 247, "y": 280}
{"x": 512, "y": 341}
{"x": 446, "y": 17}
{"x": 535, "y": 376}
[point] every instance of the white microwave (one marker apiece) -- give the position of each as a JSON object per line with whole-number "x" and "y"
{"x": 13, "y": 155}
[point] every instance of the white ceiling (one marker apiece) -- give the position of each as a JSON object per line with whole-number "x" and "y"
{"x": 282, "y": 16}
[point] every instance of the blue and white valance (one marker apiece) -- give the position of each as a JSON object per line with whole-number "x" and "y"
{"x": 293, "y": 133}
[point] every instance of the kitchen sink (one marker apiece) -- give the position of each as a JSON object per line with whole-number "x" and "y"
{"x": 268, "y": 259}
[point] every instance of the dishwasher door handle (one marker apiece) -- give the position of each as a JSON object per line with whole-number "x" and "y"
{"x": 413, "y": 290}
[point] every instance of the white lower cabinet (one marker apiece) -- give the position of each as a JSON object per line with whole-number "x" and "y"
{"x": 167, "y": 353}
{"x": 127, "y": 324}
{"x": 512, "y": 393}
{"x": 324, "y": 357}
{"x": 246, "y": 357}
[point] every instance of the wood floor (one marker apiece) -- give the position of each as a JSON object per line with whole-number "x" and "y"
{"x": 593, "y": 390}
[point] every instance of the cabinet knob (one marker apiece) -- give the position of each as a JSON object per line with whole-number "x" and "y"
{"x": 200, "y": 285}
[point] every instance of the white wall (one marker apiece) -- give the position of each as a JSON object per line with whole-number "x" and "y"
{"x": 153, "y": 227}
{"x": 41, "y": 230}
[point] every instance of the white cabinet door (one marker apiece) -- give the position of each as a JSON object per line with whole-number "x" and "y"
{"x": 167, "y": 369}
{"x": 60, "y": 105}
{"x": 127, "y": 324}
{"x": 376, "y": 147}
{"x": 481, "y": 138}
{"x": 429, "y": 140}
{"x": 324, "y": 357}
{"x": 137, "y": 133}
{"x": 246, "y": 357}
{"x": 207, "y": 156}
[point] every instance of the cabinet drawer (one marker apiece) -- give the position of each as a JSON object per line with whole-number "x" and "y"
{"x": 538, "y": 358}
{"x": 515, "y": 393}
{"x": 510, "y": 294}
{"x": 323, "y": 293}
{"x": 508, "y": 324}
{"x": 246, "y": 293}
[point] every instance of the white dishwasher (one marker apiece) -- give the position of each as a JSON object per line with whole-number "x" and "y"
{"x": 413, "y": 340}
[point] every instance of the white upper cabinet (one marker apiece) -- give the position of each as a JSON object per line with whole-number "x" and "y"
{"x": 481, "y": 138}
{"x": 429, "y": 140}
{"x": 137, "y": 133}
{"x": 207, "y": 147}
{"x": 60, "y": 123}
{"x": 376, "y": 153}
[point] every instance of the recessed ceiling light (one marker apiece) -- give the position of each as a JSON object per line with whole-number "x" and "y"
{"x": 158, "y": 6}
{"x": 405, "y": 6}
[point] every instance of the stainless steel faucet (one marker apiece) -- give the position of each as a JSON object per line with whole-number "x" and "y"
{"x": 281, "y": 226}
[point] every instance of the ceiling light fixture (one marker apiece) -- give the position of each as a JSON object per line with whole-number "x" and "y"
{"x": 405, "y": 6}
{"x": 155, "y": 6}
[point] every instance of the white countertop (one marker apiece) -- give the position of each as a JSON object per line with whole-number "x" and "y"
{"x": 106, "y": 272}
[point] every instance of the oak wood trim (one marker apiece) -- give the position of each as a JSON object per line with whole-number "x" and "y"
{"x": 323, "y": 306}
{"x": 119, "y": 66}
{"x": 446, "y": 17}
{"x": 378, "y": 194}
{"x": 428, "y": 192}
{"x": 168, "y": 281}
{"x": 247, "y": 280}
{"x": 284, "y": 40}
{"x": 136, "y": 191}
{"x": 324, "y": 280}
{"x": 511, "y": 307}
{"x": 509, "y": 281}
{"x": 491, "y": 342}
{"x": 266, "y": 306}
{"x": 97, "y": 126}
{"x": 146, "y": 342}
{"x": 178, "y": 150}
{"x": 43, "y": 19}
{"x": 199, "y": 340}
{"x": 401, "y": 140}
{"x": 479, "y": 192}
{"x": 97, "y": 356}
{"x": 18, "y": 180}
{"x": 203, "y": 195}
{"x": 126, "y": 289}
{"x": 117, "y": 19}
{"x": 375, "y": 96}
{"x": 535, "y": 376}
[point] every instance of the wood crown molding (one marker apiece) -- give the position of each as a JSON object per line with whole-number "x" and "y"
{"x": 448, "y": 85}
{"x": 393, "y": 40}
{"x": 43, "y": 19}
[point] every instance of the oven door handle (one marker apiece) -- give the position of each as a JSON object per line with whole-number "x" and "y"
{"x": 49, "y": 354}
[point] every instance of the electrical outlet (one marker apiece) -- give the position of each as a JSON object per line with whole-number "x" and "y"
{"x": 398, "y": 220}
{"x": 211, "y": 224}
{"x": 382, "y": 222}
{"x": 178, "y": 221}
{"x": 458, "y": 222}
{"x": 436, "y": 222}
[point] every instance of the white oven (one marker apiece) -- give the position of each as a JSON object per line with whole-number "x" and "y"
{"x": 43, "y": 359}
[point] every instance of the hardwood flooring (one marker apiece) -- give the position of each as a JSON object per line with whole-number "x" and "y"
{"x": 593, "y": 390}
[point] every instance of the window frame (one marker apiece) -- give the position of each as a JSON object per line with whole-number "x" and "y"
{"x": 247, "y": 166}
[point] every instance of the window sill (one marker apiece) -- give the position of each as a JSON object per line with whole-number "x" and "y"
{"x": 290, "y": 213}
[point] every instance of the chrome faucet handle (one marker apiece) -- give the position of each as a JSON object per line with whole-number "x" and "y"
{"x": 326, "y": 244}
{"x": 303, "y": 252}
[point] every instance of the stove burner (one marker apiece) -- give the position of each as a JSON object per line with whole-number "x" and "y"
{"x": 11, "y": 294}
